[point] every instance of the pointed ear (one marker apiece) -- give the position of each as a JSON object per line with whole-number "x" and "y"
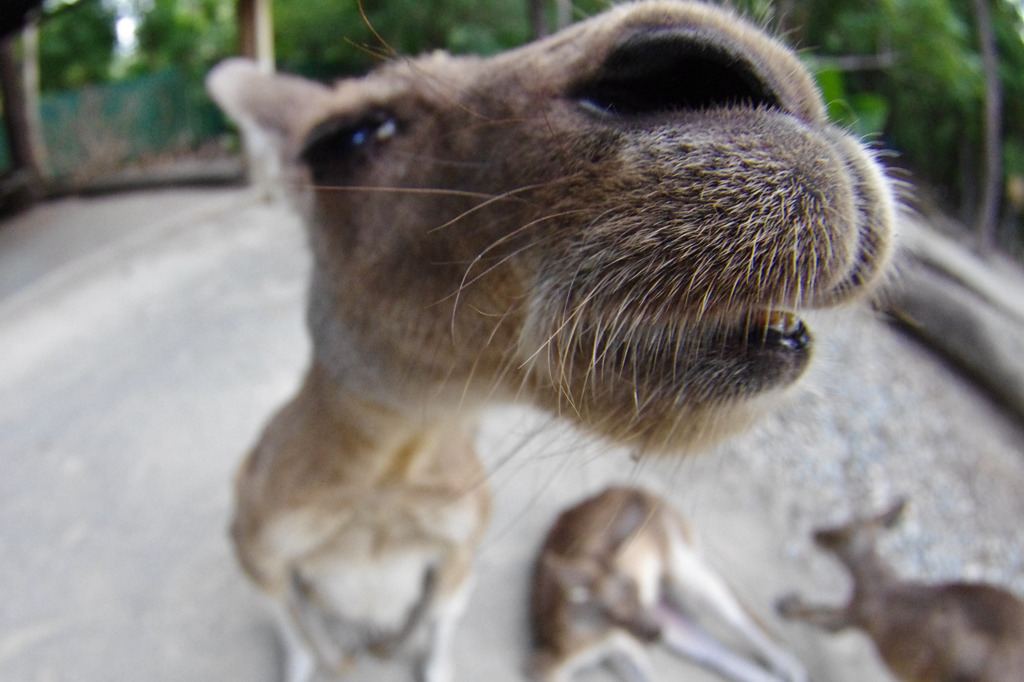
{"x": 276, "y": 104}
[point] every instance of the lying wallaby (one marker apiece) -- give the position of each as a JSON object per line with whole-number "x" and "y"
{"x": 620, "y": 570}
{"x": 953, "y": 632}
{"x": 619, "y": 223}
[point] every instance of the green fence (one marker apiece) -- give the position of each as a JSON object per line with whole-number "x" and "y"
{"x": 100, "y": 128}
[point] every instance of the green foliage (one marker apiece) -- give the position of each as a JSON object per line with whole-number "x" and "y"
{"x": 185, "y": 34}
{"x": 328, "y": 38}
{"x": 77, "y": 46}
{"x": 332, "y": 38}
{"x": 866, "y": 113}
{"x": 186, "y": 37}
{"x": 924, "y": 95}
{"x": 1013, "y": 157}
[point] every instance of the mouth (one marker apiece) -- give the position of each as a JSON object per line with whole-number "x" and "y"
{"x": 706, "y": 363}
{"x": 662, "y": 387}
{"x": 782, "y": 330}
{"x": 763, "y": 347}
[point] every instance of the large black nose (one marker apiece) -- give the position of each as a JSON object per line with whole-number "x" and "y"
{"x": 669, "y": 69}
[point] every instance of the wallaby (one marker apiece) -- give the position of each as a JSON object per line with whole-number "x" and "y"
{"x": 952, "y": 632}
{"x": 620, "y": 223}
{"x": 621, "y": 570}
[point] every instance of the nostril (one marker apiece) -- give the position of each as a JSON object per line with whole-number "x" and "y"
{"x": 668, "y": 70}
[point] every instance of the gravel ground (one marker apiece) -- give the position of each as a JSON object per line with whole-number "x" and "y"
{"x": 133, "y": 379}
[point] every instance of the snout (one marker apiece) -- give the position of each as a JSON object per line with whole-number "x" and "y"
{"x": 740, "y": 190}
{"x": 714, "y": 203}
{"x": 732, "y": 209}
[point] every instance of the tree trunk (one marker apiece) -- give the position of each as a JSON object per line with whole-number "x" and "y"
{"x": 30, "y": 83}
{"x": 256, "y": 32}
{"x": 992, "y": 169}
{"x": 538, "y": 18}
{"x": 23, "y": 184}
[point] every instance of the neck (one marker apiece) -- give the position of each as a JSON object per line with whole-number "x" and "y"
{"x": 868, "y": 569}
{"x": 378, "y": 443}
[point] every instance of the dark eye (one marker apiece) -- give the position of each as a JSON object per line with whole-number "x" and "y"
{"x": 669, "y": 70}
{"x": 335, "y": 148}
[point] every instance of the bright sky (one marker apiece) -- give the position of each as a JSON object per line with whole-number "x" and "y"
{"x": 126, "y": 26}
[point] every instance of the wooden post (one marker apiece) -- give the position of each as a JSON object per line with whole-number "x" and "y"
{"x": 256, "y": 32}
{"x": 538, "y": 12}
{"x": 30, "y": 82}
{"x": 256, "y": 42}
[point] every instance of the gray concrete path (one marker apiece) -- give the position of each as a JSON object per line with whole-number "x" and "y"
{"x": 138, "y": 364}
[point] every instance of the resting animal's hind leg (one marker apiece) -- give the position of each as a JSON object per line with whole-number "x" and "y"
{"x": 691, "y": 577}
{"x": 690, "y": 641}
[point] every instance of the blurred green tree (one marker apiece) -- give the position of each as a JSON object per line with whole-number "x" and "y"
{"x": 328, "y": 38}
{"x": 910, "y": 75}
{"x": 185, "y": 34}
{"x": 331, "y": 38}
{"x": 77, "y": 44}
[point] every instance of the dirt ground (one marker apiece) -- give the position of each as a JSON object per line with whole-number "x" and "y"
{"x": 143, "y": 350}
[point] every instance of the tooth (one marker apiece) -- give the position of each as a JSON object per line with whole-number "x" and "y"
{"x": 782, "y": 322}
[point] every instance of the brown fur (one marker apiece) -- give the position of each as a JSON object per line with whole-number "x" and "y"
{"x": 954, "y": 632}
{"x": 616, "y": 223}
{"x": 620, "y": 570}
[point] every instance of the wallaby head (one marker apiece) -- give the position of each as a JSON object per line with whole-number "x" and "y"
{"x": 580, "y": 576}
{"x": 600, "y": 594}
{"x": 621, "y": 222}
{"x": 857, "y": 537}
